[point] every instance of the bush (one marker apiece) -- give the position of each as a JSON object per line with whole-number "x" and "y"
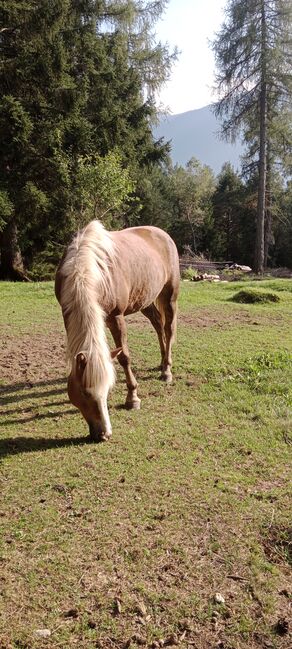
{"x": 189, "y": 273}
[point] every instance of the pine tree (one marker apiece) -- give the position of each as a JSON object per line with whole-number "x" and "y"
{"x": 77, "y": 80}
{"x": 233, "y": 216}
{"x": 253, "y": 54}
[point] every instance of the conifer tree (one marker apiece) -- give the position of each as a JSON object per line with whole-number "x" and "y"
{"x": 77, "y": 79}
{"x": 253, "y": 54}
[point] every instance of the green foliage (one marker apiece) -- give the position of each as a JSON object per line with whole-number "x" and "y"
{"x": 16, "y": 126}
{"x": 6, "y": 208}
{"x": 102, "y": 186}
{"x": 45, "y": 262}
{"x": 281, "y": 252}
{"x": 250, "y": 296}
{"x": 191, "y": 189}
{"x": 253, "y": 53}
{"x": 77, "y": 84}
{"x": 233, "y": 218}
{"x": 189, "y": 273}
{"x": 257, "y": 54}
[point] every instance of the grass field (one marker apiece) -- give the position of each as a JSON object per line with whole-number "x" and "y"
{"x": 176, "y": 532}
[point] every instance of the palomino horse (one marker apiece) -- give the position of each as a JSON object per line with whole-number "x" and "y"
{"x": 102, "y": 277}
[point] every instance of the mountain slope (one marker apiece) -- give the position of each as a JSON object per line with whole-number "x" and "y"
{"x": 195, "y": 134}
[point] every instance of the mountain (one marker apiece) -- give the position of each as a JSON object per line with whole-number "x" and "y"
{"x": 195, "y": 134}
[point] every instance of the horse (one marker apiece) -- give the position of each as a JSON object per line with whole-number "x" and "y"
{"x": 102, "y": 277}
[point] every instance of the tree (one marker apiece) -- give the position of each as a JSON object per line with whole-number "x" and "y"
{"x": 192, "y": 189}
{"x": 103, "y": 188}
{"x": 283, "y": 229}
{"x": 77, "y": 80}
{"x": 233, "y": 216}
{"x": 253, "y": 53}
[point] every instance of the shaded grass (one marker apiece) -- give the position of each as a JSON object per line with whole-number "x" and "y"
{"x": 189, "y": 498}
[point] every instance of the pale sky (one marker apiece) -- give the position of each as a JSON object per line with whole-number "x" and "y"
{"x": 188, "y": 24}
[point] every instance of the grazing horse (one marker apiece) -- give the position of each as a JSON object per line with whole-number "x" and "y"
{"x": 102, "y": 277}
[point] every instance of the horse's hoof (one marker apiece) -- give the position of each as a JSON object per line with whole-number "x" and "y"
{"x": 167, "y": 378}
{"x": 105, "y": 437}
{"x": 133, "y": 405}
{"x": 99, "y": 437}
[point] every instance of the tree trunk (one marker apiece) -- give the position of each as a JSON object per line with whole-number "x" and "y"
{"x": 260, "y": 229}
{"x": 268, "y": 221}
{"x": 11, "y": 263}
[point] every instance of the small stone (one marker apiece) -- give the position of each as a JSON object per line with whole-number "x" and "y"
{"x": 43, "y": 633}
{"x": 117, "y": 606}
{"x": 141, "y": 609}
{"x": 219, "y": 599}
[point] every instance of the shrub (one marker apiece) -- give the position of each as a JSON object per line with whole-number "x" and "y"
{"x": 189, "y": 273}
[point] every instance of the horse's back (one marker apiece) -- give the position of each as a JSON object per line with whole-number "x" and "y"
{"x": 149, "y": 245}
{"x": 140, "y": 263}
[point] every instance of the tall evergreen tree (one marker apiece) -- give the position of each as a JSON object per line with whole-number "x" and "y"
{"x": 77, "y": 79}
{"x": 233, "y": 218}
{"x": 253, "y": 54}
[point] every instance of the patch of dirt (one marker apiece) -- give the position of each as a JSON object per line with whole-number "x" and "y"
{"x": 31, "y": 358}
{"x": 201, "y": 318}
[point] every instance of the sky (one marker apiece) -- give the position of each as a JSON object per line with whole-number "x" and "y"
{"x": 188, "y": 24}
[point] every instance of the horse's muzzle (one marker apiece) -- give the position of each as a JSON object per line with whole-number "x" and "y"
{"x": 97, "y": 434}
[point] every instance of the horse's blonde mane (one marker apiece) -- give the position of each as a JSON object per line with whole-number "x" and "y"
{"x": 86, "y": 279}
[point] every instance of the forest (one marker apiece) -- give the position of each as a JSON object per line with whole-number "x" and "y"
{"x": 78, "y": 83}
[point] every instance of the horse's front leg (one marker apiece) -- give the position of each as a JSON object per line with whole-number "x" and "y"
{"x": 118, "y": 329}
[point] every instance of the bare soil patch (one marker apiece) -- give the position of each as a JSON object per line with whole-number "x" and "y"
{"x": 31, "y": 358}
{"x": 206, "y": 318}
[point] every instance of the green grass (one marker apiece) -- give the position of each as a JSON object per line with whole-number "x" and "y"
{"x": 255, "y": 297}
{"x": 126, "y": 543}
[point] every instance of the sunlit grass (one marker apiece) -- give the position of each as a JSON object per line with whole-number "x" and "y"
{"x": 126, "y": 543}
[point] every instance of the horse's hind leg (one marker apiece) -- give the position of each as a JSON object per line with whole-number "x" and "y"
{"x": 118, "y": 329}
{"x": 168, "y": 302}
{"x": 152, "y": 313}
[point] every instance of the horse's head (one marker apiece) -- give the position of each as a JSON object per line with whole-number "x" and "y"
{"x": 91, "y": 403}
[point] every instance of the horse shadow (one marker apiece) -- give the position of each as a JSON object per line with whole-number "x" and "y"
{"x": 17, "y": 445}
{"x": 51, "y": 395}
{"x": 15, "y": 411}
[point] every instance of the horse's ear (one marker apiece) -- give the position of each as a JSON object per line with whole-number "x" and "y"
{"x": 81, "y": 362}
{"x": 116, "y": 352}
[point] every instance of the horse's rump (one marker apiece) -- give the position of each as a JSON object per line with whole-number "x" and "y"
{"x": 146, "y": 262}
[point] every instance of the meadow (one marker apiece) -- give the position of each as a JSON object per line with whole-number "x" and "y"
{"x": 174, "y": 533}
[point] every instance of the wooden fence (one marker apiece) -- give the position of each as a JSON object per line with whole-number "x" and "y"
{"x": 189, "y": 262}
